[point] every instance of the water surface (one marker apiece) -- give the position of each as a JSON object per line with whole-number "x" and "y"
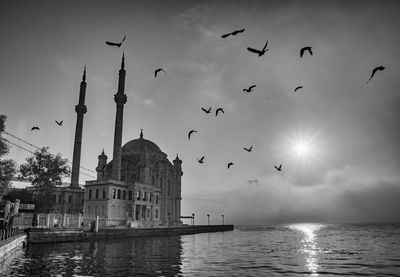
{"x": 281, "y": 250}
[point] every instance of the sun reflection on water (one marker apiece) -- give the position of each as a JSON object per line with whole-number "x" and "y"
{"x": 309, "y": 244}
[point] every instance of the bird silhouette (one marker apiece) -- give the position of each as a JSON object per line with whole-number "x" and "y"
{"x": 116, "y": 44}
{"x": 201, "y": 160}
{"x": 158, "y": 70}
{"x": 59, "y": 122}
{"x": 35, "y": 128}
{"x": 297, "y": 88}
{"x": 250, "y": 89}
{"x": 259, "y": 52}
{"x": 206, "y": 111}
{"x": 234, "y": 33}
{"x": 230, "y": 164}
{"x": 279, "y": 168}
{"x": 381, "y": 68}
{"x": 191, "y": 132}
{"x": 219, "y": 110}
{"x": 302, "y": 50}
{"x": 248, "y": 149}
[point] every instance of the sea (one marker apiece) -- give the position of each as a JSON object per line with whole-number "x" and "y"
{"x": 306, "y": 249}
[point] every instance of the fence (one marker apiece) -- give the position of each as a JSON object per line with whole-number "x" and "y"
{"x": 25, "y": 220}
{"x": 9, "y": 232}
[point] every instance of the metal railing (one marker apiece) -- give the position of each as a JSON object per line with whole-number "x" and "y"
{"x": 9, "y": 232}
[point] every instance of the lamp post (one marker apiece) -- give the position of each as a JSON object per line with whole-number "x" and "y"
{"x": 222, "y": 219}
{"x": 193, "y": 219}
{"x": 208, "y": 219}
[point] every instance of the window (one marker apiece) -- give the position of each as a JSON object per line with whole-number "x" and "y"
{"x": 104, "y": 193}
{"x": 150, "y": 196}
{"x": 119, "y": 194}
{"x": 97, "y": 194}
{"x": 90, "y": 194}
{"x": 55, "y": 198}
{"x": 124, "y": 195}
{"x": 156, "y": 198}
{"x": 59, "y": 198}
{"x": 138, "y": 195}
{"x": 169, "y": 188}
{"x": 69, "y": 198}
{"x": 114, "y": 192}
{"x": 137, "y": 212}
{"x": 144, "y": 196}
{"x": 156, "y": 213}
{"x": 95, "y": 210}
{"x": 161, "y": 185}
{"x": 130, "y": 195}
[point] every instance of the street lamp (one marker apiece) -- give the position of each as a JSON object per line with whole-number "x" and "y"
{"x": 193, "y": 219}
{"x": 222, "y": 219}
{"x": 208, "y": 219}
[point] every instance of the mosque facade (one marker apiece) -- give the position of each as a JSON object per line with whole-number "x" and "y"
{"x": 139, "y": 187}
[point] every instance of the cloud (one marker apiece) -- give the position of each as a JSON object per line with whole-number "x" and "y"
{"x": 73, "y": 67}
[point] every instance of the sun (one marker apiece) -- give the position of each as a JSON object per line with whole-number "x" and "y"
{"x": 302, "y": 148}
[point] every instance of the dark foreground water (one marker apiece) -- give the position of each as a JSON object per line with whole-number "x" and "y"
{"x": 284, "y": 250}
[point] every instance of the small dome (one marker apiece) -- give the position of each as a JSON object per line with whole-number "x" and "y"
{"x": 138, "y": 145}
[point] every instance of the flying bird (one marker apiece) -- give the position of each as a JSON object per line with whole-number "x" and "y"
{"x": 302, "y": 50}
{"x": 219, "y": 109}
{"x": 259, "y": 52}
{"x": 158, "y": 70}
{"x": 206, "y": 111}
{"x": 35, "y": 128}
{"x": 59, "y": 122}
{"x": 201, "y": 160}
{"x": 230, "y": 164}
{"x": 248, "y": 149}
{"x": 250, "y": 89}
{"x": 191, "y": 132}
{"x": 116, "y": 44}
{"x": 299, "y": 87}
{"x": 279, "y": 168}
{"x": 234, "y": 33}
{"x": 381, "y": 68}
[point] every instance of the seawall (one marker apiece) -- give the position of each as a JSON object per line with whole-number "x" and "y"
{"x": 73, "y": 235}
{"x": 8, "y": 246}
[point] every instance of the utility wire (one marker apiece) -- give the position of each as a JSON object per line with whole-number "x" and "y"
{"x": 27, "y": 150}
{"x": 30, "y": 144}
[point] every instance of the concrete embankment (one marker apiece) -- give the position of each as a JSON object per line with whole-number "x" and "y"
{"x": 54, "y": 235}
{"x": 10, "y": 245}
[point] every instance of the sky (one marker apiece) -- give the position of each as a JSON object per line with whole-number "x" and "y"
{"x": 337, "y": 138}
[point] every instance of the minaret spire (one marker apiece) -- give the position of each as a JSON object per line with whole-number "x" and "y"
{"x": 80, "y": 110}
{"x": 120, "y": 100}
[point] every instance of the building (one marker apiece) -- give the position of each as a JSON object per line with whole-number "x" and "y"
{"x": 139, "y": 187}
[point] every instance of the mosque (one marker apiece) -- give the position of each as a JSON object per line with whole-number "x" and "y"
{"x": 139, "y": 187}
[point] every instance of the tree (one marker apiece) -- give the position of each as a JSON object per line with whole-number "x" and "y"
{"x": 7, "y": 166}
{"x": 45, "y": 170}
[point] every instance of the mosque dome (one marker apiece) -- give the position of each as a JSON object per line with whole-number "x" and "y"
{"x": 139, "y": 145}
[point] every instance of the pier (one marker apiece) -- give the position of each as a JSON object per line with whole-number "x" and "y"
{"x": 42, "y": 235}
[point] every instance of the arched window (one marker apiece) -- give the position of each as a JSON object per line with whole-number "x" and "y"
{"x": 104, "y": 193}
{"x": 114, "y": 192}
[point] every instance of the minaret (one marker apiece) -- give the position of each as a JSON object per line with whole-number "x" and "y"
{"x": 101, "y": 165}
{"x": 178, "y": 186}
{"x": 120, "y": 100}
{"x": 80, "y": 110}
